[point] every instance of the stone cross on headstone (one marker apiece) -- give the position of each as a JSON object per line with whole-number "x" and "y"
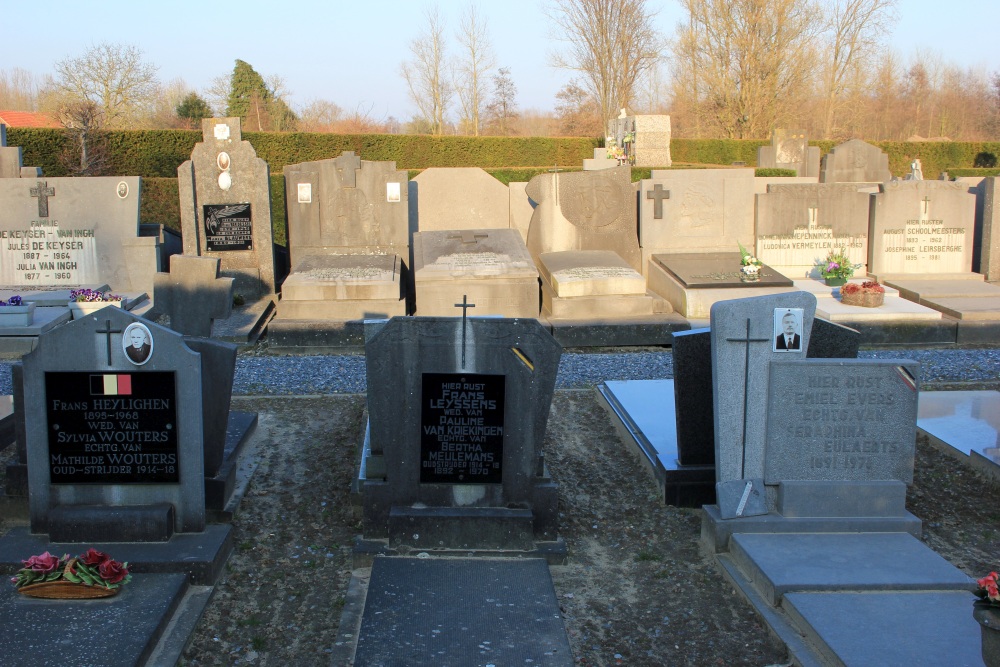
{"x": 468, "y": 236}
{"x": 347, "y": 167}
{"x": 107, "y": 331}
{"x": 658, "y": 194}
{"x": 465, "y": 305}
{"x": 193, "y": 294}
{"x": 813, "y": 218}
{"x": 43, "y": 193}
{"x": 925, "y": 208}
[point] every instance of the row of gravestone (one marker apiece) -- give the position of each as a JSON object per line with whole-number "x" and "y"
{"x": 595, "y": 251}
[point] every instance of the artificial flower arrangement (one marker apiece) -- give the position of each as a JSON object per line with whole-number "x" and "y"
{"x": 987, "y": 591}
{"x": 12, "y": 301}
{"x": 869, "y": 294}
{"x": 85, "y": 294}
{"x": 93, "y": 574}
{"x": 837, "y": 266}
{"x": 749, "y": 264}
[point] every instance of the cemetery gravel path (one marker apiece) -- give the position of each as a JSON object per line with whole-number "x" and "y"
{"x": 635, "y": 590}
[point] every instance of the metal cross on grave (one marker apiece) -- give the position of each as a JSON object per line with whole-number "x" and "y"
{"x": 468, "y": 236}
{"x": 107, "y": 330}
{"x": 465, "y": 305}
{"x": 658, "y": 194}
{"x": 43, "y": 193}
{"x": 347, "y": 167}
{"x": 925, "y": 210}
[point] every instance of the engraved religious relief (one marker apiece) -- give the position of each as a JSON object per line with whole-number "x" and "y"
{"x": 698, "y": 209}
{"x": 593, "y": 207}
{"x": 353, "y": 222}
{"x": 790, "y": 151}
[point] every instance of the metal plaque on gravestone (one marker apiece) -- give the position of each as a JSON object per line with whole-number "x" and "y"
{"x": 461, "y": 428}
{"x": 228, "y": 227}
{"x": 112, "y": 428}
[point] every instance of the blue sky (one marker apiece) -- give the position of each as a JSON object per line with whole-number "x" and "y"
{"x": 350, "y": 52}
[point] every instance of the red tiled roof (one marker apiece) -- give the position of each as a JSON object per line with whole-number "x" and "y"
{"x": 26, "y": 119}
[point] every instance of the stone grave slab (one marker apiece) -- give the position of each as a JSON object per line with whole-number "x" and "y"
{"x": 707, "y": 211}
{"x": 192, "y": 295}
{"x": 492, "y": 267}
{"x": 989, "y": 247}
{"x": 965, "y": 422}
{"x": 841, "y": 420}
{"x": 589, "y": 285}
{"x": 798, "y": 225}
{"x": 855, "y": 161}
{"x": 461, "y": 467}
{"x": 693, "y": 282}
{"x": 62, "y": 632}
{"x": 344, "y": 287}
{"x": 967, "y": 308}
{"x": 864, "y": 628}
{"x": 787, "y": 563}
{"x": 225, "y": 196}
{"x": 458, "y": 198}
{"x": 428, "y": 612}
{"x": 894, "y": 308}
{"x": 599, "y": 161}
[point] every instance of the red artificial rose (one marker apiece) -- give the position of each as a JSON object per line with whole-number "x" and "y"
{"x": 112, "y": 571}
{"x": 42, "y": 564}
{"x": 94, "y": 557}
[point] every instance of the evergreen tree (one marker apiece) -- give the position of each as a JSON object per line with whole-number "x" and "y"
{"x": 193, "y": 108}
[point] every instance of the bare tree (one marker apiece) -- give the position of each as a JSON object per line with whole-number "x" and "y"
{"x": 475, "y": 61}
{"x": 113, "y": 76}
{"x": 18, "y": 90}
{"x": 425, "y": 74}
{"x": 502, "y": 109}
{"x": 855, "y": 33}
{"x": 610, "y": 44}
{"x": 751, "y": 61}
{"x": 319, "y": 116}
{"x": 578, "y": 112}
{"x": 82, "y": 118}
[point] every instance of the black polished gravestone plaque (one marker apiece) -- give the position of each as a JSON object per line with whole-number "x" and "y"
{"x": 228, "y": 227}
{"x": 715, "y": 270}
{"x": 112, "y": 428}
{"x": 461, "y": 428}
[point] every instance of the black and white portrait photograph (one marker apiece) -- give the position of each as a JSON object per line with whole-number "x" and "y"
{"x": 137, "y": 342}
{"x": 787, "y": 329}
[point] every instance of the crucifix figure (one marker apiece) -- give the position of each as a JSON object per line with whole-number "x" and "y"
{"x": 468, "y": 236}
{"x": 658, "y": 194}
{"x": 465, "y": 305}
{"x": 108, "y": 331}
{"x": 743, "y": 488}
{"x": 43, "y": 193}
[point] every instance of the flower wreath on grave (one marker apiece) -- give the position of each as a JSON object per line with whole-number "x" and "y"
{"x": 986, "y": 611}
{"x": 749, "y": 265}
{"x": 869, "y": 294}
{"x": 93, "y": 574}
{"x": 83, "y": 295}
{"x": 837, "y": 267}
{"x": 12, "y": 301}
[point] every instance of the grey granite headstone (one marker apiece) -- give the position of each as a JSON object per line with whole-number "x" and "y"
{"x": 692, "y": 357}
{"x": 798, "y": 225}
{"x": 192, "y": 295}
{"x": 850, "y": 420}
{"x": 457, "y": 412}
{"x": 744, "y": 333}
{"x": 790, "y": 149}
{"x": 592, "y": 210}
{"x": 225, "y": 200}
{"x": 74, "y": 232}
{"x": 855, "y": 161}
{"x": 921, "y": 228}
{"x": 114, "y": 415}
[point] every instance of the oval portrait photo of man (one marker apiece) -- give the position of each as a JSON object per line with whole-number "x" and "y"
{"x": 137, "y": 343}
